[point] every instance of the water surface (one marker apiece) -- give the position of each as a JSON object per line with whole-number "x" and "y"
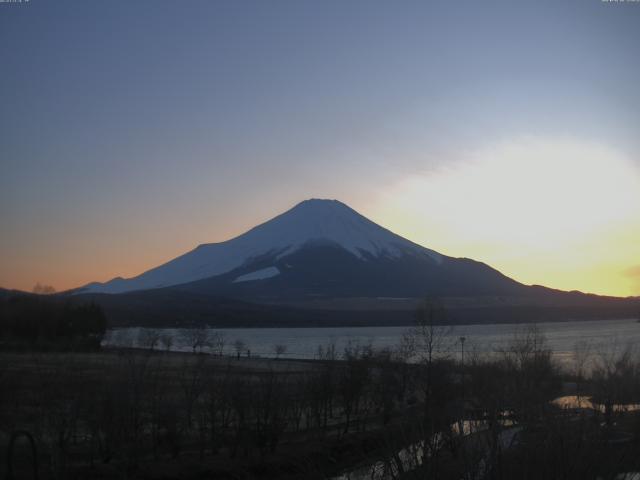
{"x": 561, "y": 338}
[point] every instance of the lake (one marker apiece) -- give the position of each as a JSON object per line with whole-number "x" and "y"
{"x": 484, "y": 339}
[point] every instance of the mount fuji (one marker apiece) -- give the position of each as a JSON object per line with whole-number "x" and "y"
{"x": 322, "y": 263}
{"x": 317, "y": 248}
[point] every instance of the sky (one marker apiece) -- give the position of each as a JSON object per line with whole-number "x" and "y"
{"x": 508, "y": 132}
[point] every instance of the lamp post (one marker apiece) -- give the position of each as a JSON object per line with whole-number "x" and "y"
{"x": 462, "y": 340}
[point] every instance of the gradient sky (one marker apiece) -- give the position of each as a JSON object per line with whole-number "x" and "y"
{"x": 508, "y": 132}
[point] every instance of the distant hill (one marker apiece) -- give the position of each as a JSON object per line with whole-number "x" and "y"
{"x": 4, "y": 292}
{"x": 176, "y": 308}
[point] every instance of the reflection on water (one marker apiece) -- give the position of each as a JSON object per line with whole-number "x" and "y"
{"x": 582, "y": 402}
{"x": 628, "y": 476}
{"x": 411, "y": 457}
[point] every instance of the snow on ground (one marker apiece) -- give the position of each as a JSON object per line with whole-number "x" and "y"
{"x": 258, "y": 275}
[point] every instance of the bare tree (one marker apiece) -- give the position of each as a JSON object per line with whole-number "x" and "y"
{"x": 193, "y": 383}
{"x": 239, "y": 345}
{"x": 43, "y": 289}
{"x": 195, "y": 338}
{"x": 167, "y": 341}
{"x": 328, "y": 351}
{"x": 582, "y": 353}
{"x": 532, "y": 375}
{"x": 431, "y": 340}
{"x": 217, "y": 342}
{"x": 431, "y": 333}
{"x": 279, "y": 349}
{"x": 614, "y": 377}
{"x": 354, "y": 378}
{"x": 148, "y": 338}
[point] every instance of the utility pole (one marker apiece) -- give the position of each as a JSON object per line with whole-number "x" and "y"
{"x": 462, "y": 340}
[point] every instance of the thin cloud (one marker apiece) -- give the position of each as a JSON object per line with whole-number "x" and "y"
{"x": 632, "y": 272}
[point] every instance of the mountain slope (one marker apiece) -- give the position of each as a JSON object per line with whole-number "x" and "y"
{"x": 317, "y": 271}
{"x": 323, "y": 251}
{"x": 312, "y": 222}
{"x": 321, "y": 263}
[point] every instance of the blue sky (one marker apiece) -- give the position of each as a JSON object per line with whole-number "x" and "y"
{"x": 133, "y": 130}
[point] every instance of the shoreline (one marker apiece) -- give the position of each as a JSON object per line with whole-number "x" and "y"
{"x": 373, "y": 325}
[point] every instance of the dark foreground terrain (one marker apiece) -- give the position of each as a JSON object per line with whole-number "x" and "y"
{"x": 150, "y": 414}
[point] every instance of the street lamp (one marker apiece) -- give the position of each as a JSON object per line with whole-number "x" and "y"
{"x": 462, "y": 340}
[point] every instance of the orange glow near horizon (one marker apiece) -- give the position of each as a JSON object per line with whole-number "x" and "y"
{"x": 506, "y": 132}
{"x": 558, "y": 213}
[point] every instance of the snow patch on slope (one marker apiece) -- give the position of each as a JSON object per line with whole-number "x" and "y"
{"x": 258, "y": 275}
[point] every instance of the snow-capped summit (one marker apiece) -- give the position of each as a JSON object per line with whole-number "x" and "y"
{"x": 311, "y": 222}
{"x": 329, "y": 221}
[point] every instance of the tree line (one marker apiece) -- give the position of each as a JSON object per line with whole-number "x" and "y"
{"x": 46, "y": 322}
